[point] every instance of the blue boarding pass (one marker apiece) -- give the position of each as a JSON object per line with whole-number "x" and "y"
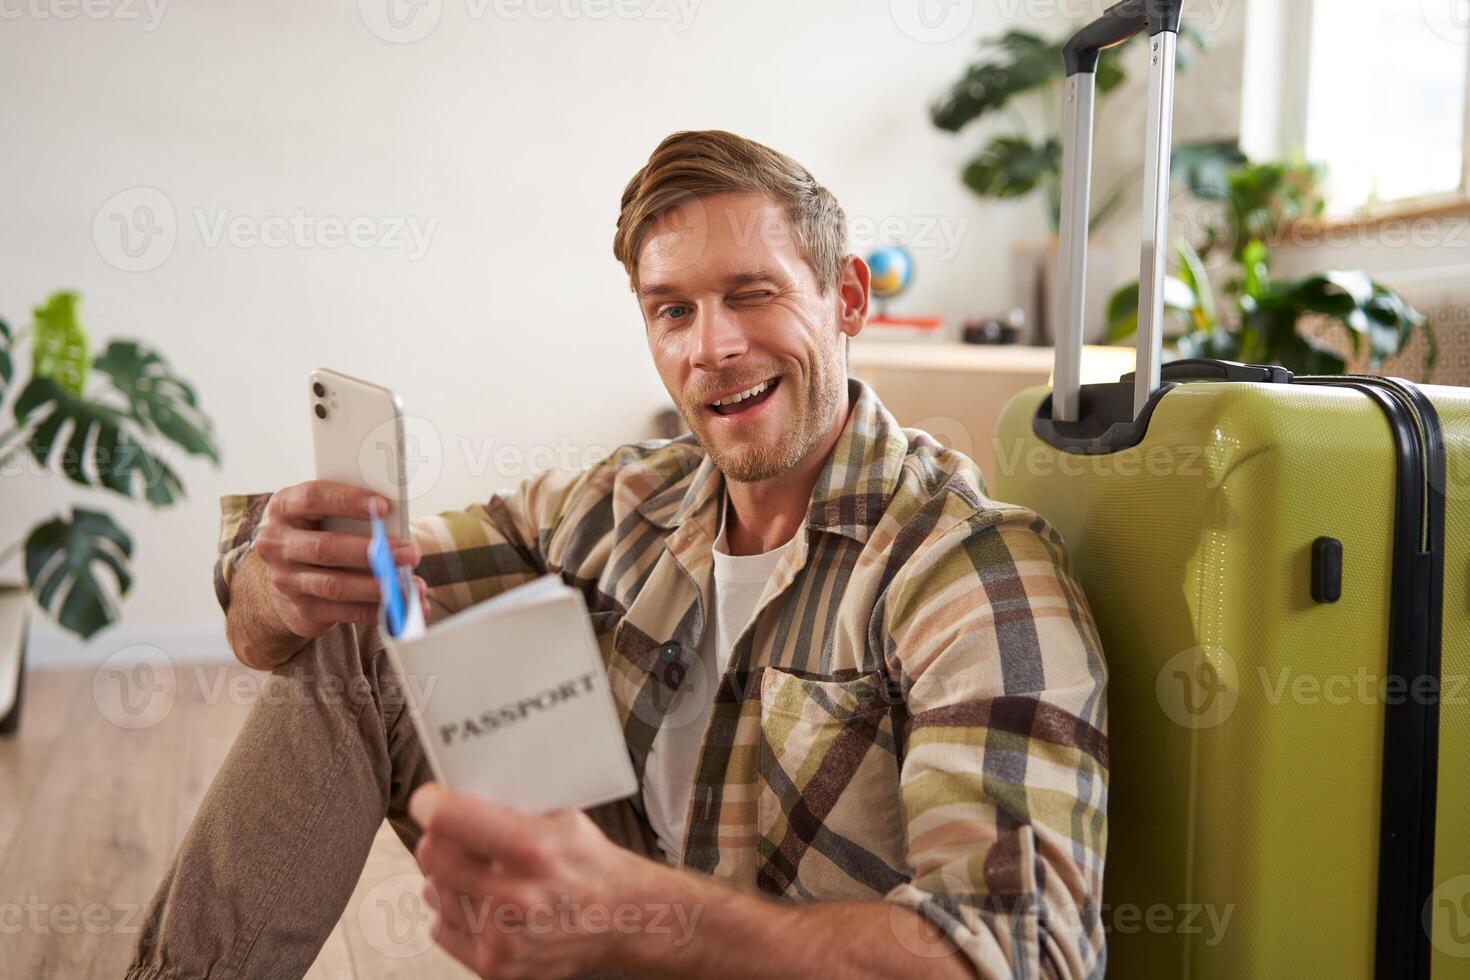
{"x": 401, "y": 614}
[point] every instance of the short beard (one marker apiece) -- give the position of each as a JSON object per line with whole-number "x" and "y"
{"x": 754, "y": 464}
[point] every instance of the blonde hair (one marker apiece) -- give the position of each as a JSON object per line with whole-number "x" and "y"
{"x": 693, "y": 164}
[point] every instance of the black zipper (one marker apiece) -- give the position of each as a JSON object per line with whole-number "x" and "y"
{"x": 1411, "y": 723}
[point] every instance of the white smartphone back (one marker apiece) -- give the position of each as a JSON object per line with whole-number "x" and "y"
{"x": 357, "y": 438}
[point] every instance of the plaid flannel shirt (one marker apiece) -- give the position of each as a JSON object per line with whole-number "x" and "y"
{"x": 916, "y": 712}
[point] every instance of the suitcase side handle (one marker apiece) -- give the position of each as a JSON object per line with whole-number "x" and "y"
{"x": 1118, "y": 23}
{"x": 1188, "y": 368}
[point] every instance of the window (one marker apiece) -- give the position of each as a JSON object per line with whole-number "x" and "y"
{"x": 1375, "y": 89}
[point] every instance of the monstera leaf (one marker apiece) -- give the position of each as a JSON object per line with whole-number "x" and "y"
{"x": 59, "y": 348}
{"x": 157, "y": 399}
{"x": 98, "y": 449}
{"x": 1009, "y": 65}
{"x": 63, "y": 559}
{"x": 7, "y": 365}
{"x": 1011, "y": 166}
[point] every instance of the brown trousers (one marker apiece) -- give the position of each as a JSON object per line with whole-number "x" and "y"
{"x": 278, "y": 844}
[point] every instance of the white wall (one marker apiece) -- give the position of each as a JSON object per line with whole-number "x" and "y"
{"x": 513, "y": 134}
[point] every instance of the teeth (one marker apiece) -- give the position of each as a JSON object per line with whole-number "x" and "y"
{"x": 747, "y": 393}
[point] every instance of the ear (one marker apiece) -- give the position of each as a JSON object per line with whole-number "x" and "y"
{"x": 852, "y": 295}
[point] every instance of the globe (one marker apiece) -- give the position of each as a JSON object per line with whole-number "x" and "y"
{"x": 893, "y": 271}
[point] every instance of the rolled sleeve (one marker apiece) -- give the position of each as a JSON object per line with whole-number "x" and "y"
{"x": 242, "y": 515}
{"x": 1004, "y": 771}
{"x": 467, "y": 556}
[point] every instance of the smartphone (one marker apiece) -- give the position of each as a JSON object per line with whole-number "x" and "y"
{"x": 357, "y": 438}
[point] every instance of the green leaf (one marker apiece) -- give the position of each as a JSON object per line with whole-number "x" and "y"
{"x": 1008, "y": 66}
{"x": 114, "y": 461}
{"x": 157, "y": 399}
{"x": 1011, "y": 166}
{"x": 59, "y": 349}
{"x": 1372, "y": 313}
{"x": 7, "y": 366}
{"x": 63, "y": 560}
{"x": 1193, "y": 274}
{"x": 1122, "y": 316}
{"x": 1205, "y": 167}
{"x": 1253, "y": 262}
{"x": 1192, "y": 43}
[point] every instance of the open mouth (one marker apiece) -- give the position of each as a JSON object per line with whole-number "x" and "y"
{"x": 745, "y": 401}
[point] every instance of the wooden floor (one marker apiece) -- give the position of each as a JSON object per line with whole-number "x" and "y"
{"x": 97, "y": 789}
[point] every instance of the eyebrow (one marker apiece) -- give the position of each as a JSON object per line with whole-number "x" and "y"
{"x": 732, "y": 281}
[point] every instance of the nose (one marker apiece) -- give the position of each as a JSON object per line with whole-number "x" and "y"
{"x": 718, "y": 339}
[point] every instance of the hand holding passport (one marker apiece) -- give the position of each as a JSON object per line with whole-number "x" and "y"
{"x": 511, "y": 697}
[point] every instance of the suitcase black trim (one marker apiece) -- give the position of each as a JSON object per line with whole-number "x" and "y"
{"x": 1105, "y": 420}
{"x": 1411, "y": 723}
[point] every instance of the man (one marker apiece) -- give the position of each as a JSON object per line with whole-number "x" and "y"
{"x": 864, "y": 702}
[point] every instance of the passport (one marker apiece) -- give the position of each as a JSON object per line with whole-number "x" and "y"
{"x": 510, "y": 698}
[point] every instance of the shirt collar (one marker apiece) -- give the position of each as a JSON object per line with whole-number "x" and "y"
{"x": 852, "y": 490}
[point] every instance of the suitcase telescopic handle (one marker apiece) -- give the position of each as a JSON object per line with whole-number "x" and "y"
{"x": 1117, "y": 24}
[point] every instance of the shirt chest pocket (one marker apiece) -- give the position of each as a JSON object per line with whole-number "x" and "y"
{"x": 829, "y": 818}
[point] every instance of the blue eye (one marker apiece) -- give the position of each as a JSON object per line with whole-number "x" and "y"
{"x": 674, "y": 311}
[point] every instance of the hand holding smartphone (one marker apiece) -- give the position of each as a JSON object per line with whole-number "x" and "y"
{"x": 357, "y": 439}
{"x": 313, "y": 547}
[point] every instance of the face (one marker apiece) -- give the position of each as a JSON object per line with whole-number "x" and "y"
{"x": 748, "y": 344}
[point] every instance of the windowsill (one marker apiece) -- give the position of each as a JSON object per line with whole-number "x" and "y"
{"x": 1441, "y": 206}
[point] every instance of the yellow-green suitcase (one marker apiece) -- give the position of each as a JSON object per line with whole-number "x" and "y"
{"x": 1280, "y": 572}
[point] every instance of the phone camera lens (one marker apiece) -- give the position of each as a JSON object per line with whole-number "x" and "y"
{"x": 321, "y": 411}
{"x": 319, "y": 389}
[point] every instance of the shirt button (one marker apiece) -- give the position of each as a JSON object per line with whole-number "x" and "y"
{"x": 668, "y": 651}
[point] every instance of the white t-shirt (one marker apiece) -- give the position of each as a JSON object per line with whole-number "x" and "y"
{"x": 668, "y": 774}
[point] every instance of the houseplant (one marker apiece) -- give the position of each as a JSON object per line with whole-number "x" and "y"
{"x": 1249, "y": 315}
{"x": 105, "y": 421}
{"x": 1020, "y": 75}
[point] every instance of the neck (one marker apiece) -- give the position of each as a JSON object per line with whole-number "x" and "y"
{"x": 766, "y": 515}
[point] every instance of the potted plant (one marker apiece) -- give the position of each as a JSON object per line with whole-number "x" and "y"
{"x": 1261, "y": 319}
{"x": 1019, "y": 70}
{"x": 106, "y": 421}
